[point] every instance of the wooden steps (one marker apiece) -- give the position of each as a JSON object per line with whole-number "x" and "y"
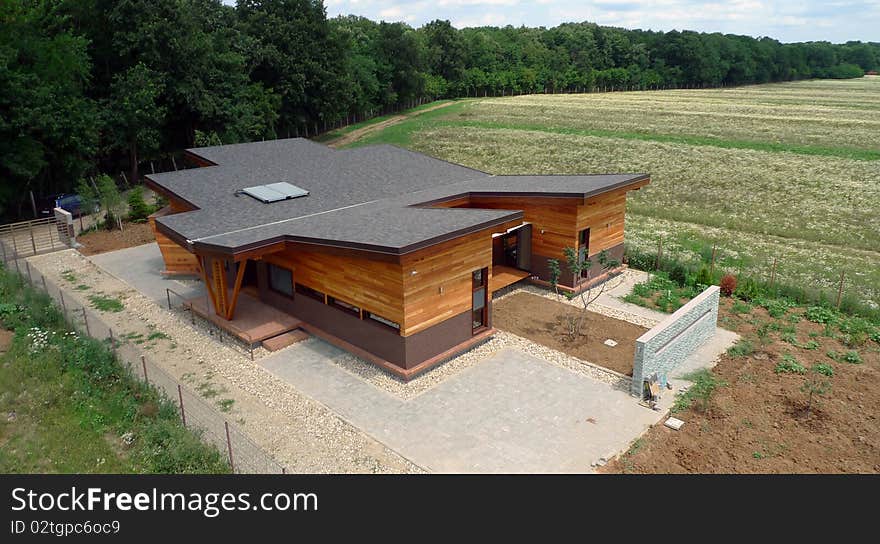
{"x": 283, "y": 340}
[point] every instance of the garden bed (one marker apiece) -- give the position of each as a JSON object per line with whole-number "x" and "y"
{"x": 544, "y": 321}
{"x": 101, "y": 240}
{"x": 755, "y": 420}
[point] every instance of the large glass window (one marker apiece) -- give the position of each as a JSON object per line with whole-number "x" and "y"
{"x": 280, "y": 280}
{"x": 382, "y": 320}
{"x": 344, "y": 306}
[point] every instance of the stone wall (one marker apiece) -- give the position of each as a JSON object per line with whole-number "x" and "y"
{"x": 671, "y": 341}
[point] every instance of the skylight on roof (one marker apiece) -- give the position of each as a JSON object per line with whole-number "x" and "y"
{"x": 274, "y": 192}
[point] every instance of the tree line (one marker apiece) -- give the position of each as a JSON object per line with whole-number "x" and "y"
{"x": 89, "y": 86}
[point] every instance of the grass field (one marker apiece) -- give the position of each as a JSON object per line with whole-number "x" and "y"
{"x": 781, "y": 171}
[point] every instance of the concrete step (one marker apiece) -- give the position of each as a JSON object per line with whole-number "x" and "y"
{"x": 283, "y": 340}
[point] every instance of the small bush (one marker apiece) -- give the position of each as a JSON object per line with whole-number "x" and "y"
{"x": 820, "y": 314}
{"x": 789, "y": 365}
{"x": 825, "y": 370}
{"x": 138, "y": 210}
{"x": 728, "y": 285}
{"x": 679, "y": 274}
{"x": 852, "y": 357}
{"x": 704, "y": 277}
{"x": 748, "y": 290}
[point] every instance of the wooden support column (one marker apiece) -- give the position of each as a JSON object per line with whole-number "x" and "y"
{"x": 239, "y": 276}
{"x": 218, "y": 277}
{"x": 203, "y": 271}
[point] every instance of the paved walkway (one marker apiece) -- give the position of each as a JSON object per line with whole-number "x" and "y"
{"x": 509, "y": 413}
{"x": 621, "y": 286}
{"x": 140, "y": 267}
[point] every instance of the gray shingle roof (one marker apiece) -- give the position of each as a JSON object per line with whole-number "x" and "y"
{"x": 361, "y": 197}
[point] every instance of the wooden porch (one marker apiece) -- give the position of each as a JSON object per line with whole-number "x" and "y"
{"x": 502, "y": 276}
{"x": 254, "y": 320}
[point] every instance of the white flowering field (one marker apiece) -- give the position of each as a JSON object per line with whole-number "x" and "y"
{"x": 788, "y": 171}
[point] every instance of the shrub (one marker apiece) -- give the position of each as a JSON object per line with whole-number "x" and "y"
{"x": 679, "y": 274}
{"x": 704, "y": 277}
{"x": 852, "y": 357}
{"x": 748, "y": 289}
{"x": 728, "y": 285}
{"x": 825, "y": 370}
{"x": 820, "y": 314}
{"x": 740, "y": 307}
{"x": 789, "y": 365}
{"x": 138, "y": 209}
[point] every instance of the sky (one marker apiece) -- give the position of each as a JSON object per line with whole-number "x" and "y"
{"x": 785, "y": 20}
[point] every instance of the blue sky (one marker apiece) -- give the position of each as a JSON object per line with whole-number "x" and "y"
{"x": 786, "y": 20}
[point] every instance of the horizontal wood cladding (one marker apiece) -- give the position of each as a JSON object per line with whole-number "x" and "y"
{"x": 437, "y": 279}
{"x": 553, "y": 219}
{"x": 177, "y": 259}
{"x": 372, "y": 284}
{"x": 604, "y": 216}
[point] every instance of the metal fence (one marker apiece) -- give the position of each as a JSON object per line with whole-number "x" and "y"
{"x": 207, "y": 420}
{"x": 32, "y": 237}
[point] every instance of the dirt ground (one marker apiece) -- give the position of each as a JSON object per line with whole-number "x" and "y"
{"x": 544, "y": 321}
{"x": 359, "y": 133}
{"x": 5, "y": 339}
{"x": 756, "y": 422}
{"x": 102, "y": 241}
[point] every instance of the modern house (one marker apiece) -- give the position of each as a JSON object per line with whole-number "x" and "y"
{"x": 386, "y": 252}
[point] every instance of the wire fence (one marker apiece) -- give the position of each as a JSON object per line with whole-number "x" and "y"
{"x": 208, "y": 421}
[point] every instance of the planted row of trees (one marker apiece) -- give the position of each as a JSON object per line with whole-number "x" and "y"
{"x": 105, "y": 85}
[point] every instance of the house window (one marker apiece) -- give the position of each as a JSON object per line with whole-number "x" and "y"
{"x": 280, "y": 280}
{"x": 344, "y": 306}
{"x": 309, "y": 292}
{"x": 382, "y": 320}
{"x": 584, "y": 249}
{"x": 479, "y": 308}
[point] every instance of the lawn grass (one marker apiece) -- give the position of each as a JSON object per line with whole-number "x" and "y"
{"x": 69, "y": 407}
{"x": 340, "y": 132}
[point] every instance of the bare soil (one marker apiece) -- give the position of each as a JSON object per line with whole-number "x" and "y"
{"x": 545, "y": 322}
{"x": 756, "y": 423}
{"x": 359, "y": 133}
{"x": 5, "y": 339}
{"x": 102, "y": 241}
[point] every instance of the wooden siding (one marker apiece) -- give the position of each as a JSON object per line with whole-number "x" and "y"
{"x": 373, "y": 285}
{"x": 441, "y": 286}
{"x": 177, "y": 259}
{"x": 604, "y": 216}
{"x": 556, "y": 217}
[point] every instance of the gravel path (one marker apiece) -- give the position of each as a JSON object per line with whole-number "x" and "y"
{"x": 300, "y": 433}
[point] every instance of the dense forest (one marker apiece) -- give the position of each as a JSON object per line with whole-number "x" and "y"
{"x": 90, "y": 86}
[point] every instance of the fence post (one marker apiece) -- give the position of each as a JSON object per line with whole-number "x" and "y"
{"x": 144, "y": 366}
{"x": 840, "y": 289}
{"x": 773, "y": 272}
{"x": 33, "y": 242}
{"x": 168, "y": 296}
{"x": 63, "y": 305}
{"x": 28, "y": 268}
{"x": 86, "y": 321}
{"x": 712, "y": 265}
{"x": 5, "y": 260}
{"x": 112, "y": 341}
{"x": 42, "y": 277}
{"x": 659, "y": 252}
{"x": 180, "y": 398}
{"x": 229, "y": 447}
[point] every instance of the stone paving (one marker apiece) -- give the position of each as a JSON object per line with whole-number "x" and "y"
{"x": 512, "y": 412}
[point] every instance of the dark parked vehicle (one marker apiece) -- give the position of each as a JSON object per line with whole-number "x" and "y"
{"x": 66, "y": 201}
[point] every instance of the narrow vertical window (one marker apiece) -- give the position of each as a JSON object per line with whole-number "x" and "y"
{"x": 479, "y": 308}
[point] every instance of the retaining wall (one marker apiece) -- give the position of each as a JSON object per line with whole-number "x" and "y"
{"x": 664, "y": 347}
